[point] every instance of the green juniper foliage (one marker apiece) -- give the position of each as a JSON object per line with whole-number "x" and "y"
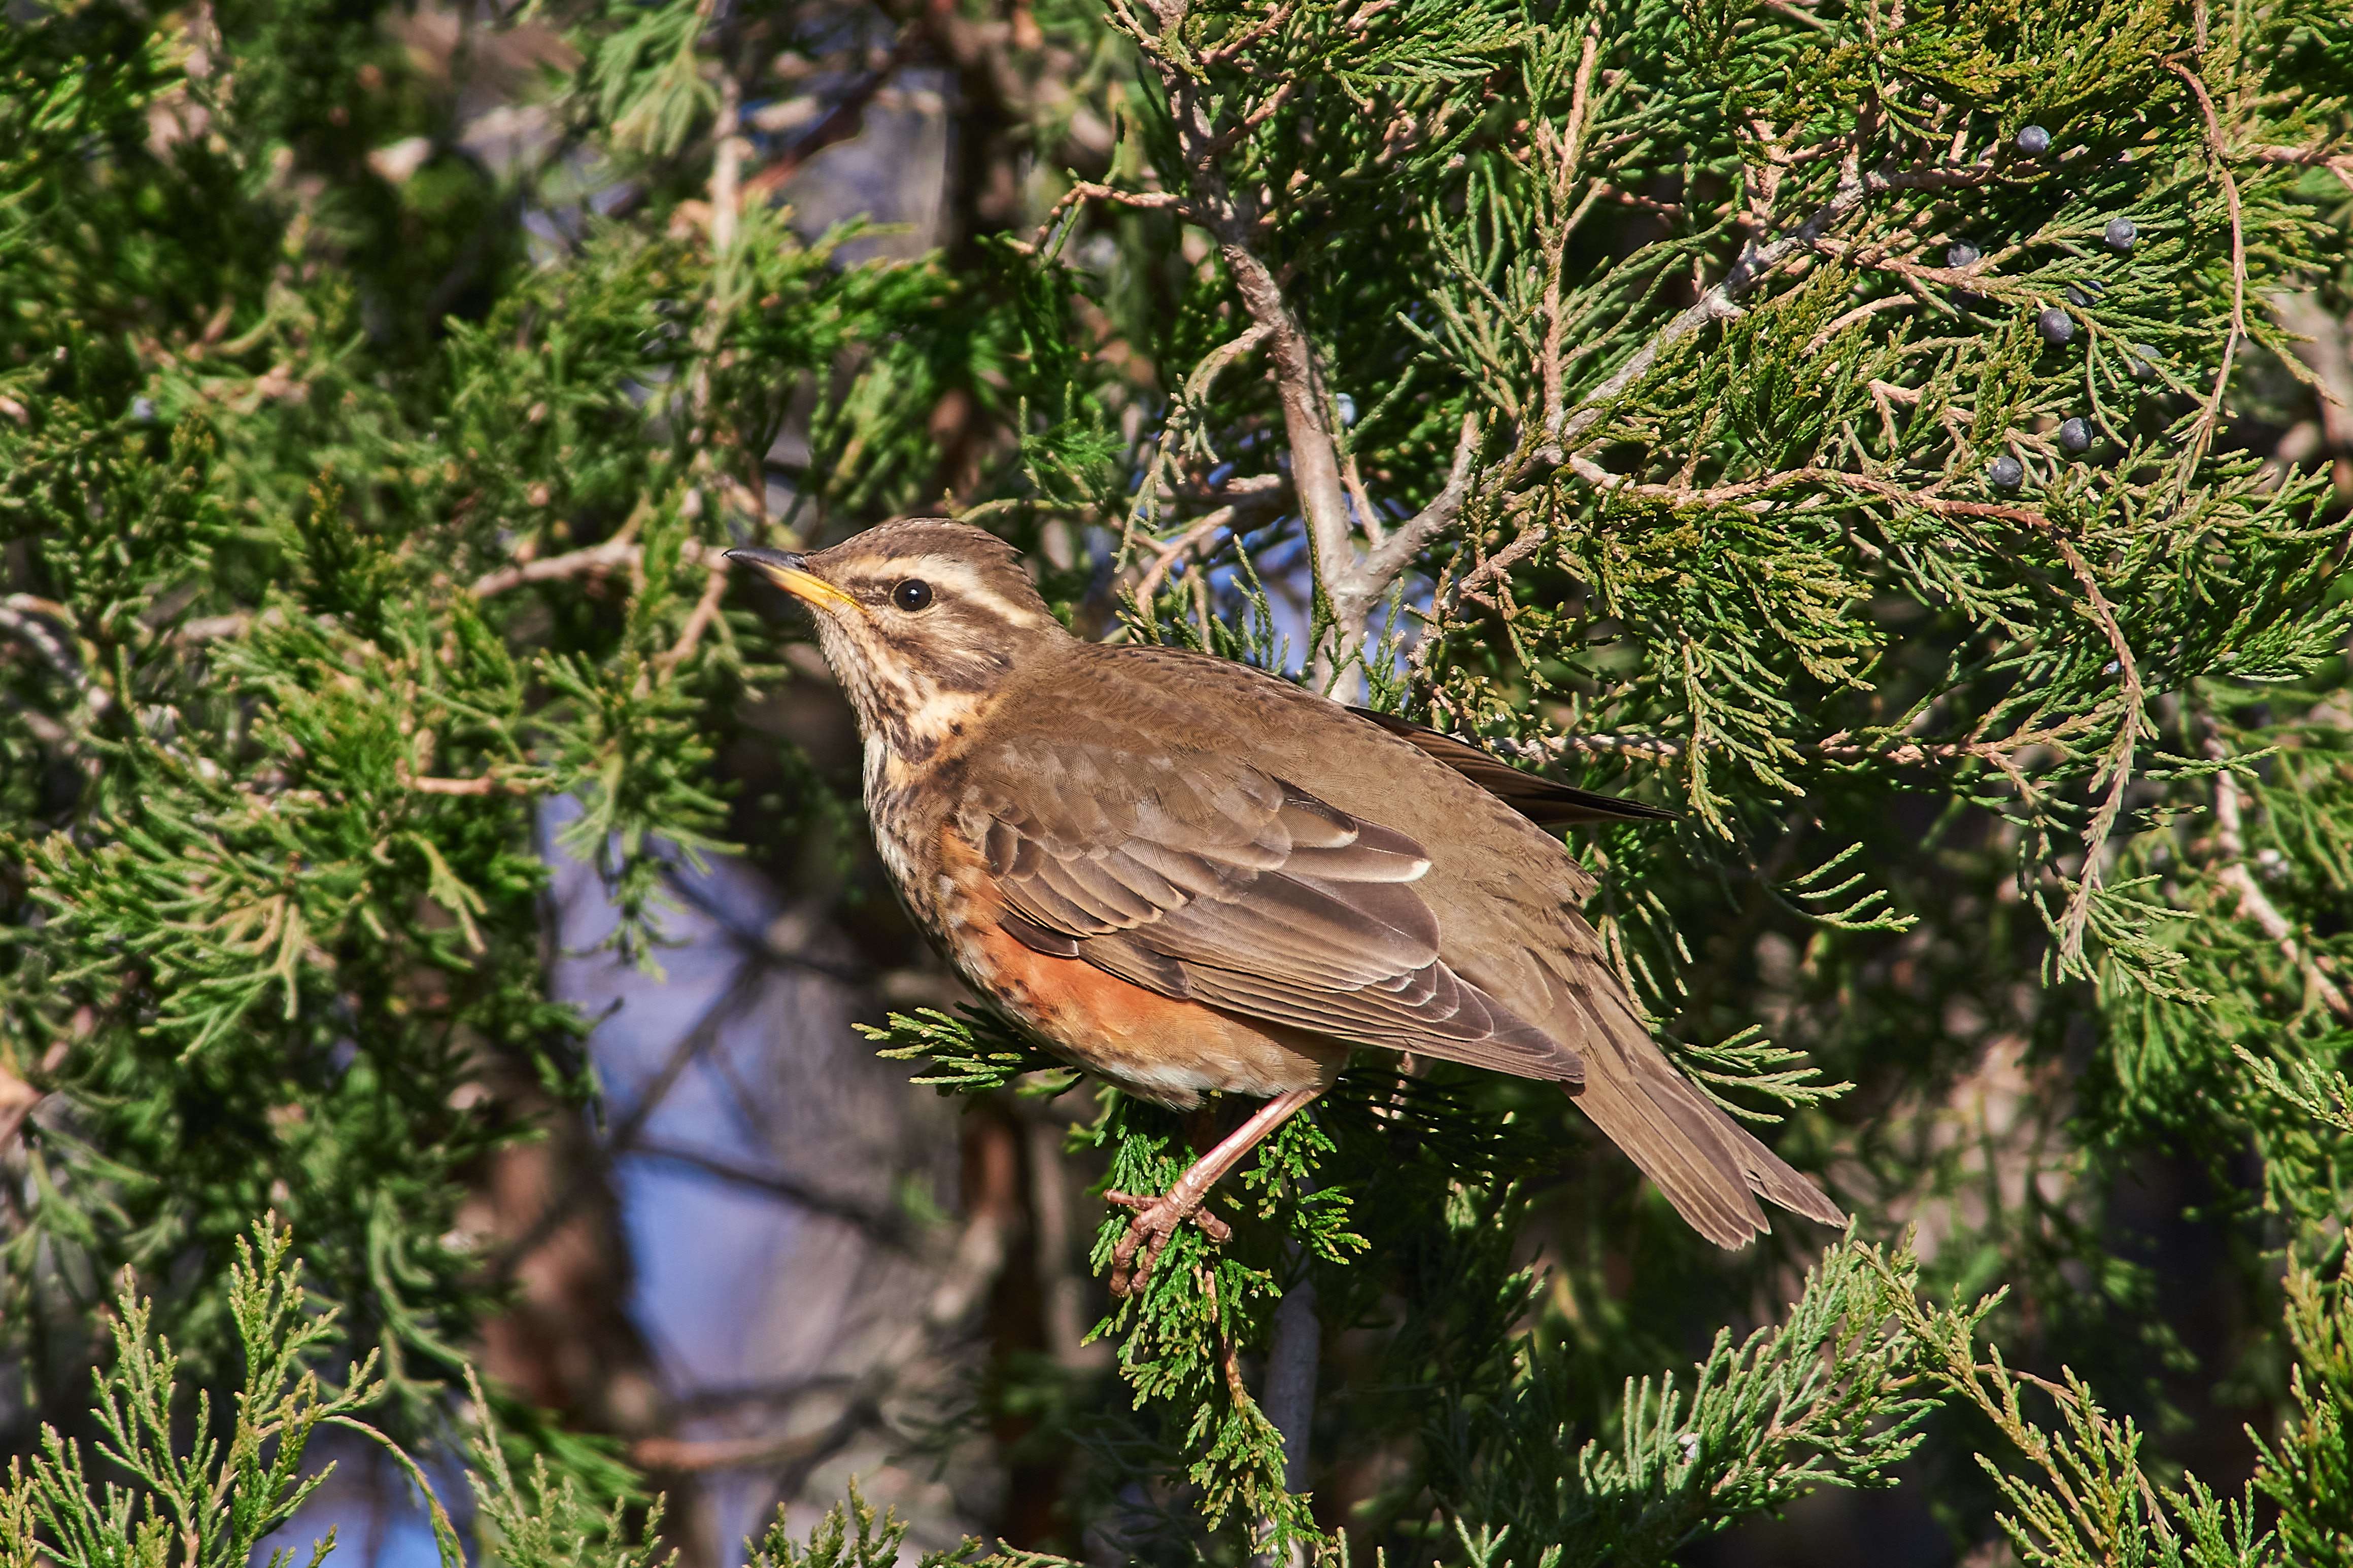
{"x": 307, "y": 614}
{"x": 1726, "y": 404}
{"x": 217, "y": 1504}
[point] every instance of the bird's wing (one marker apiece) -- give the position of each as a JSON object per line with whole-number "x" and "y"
{"x": 1539, "y": 799}
{"x": 1201, "y": 877}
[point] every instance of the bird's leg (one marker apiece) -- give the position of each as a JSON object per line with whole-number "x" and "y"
{"x": 1157, "y": 1218}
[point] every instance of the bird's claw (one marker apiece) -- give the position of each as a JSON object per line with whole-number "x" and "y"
{"x": 1157, "y": 1219}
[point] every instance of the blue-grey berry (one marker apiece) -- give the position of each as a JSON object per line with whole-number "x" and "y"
{"x": 1345, "y": 406}
{"x": 2144, "y": 360}
{"x": 1962, "y": 255}
{"x": 2034, "y": 140}
{"x": 142, "y": 409}
{"x": 2007, "y": 473}
{"x": 2055, "y": 325}
{"x": 2075, "y": 435}
{"x": 2086, "y": 294}
{"x": 2120, "y": 234}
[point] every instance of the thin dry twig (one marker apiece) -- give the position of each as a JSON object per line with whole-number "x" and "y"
{"x": 1231, "y": 218}
{"x": 2254, "y": 903}
{"x": 1753, "y": 490}
{"x": 1354, "y": 597}
{"x": 2201, "y": 433}
{"x": 2336, "y": 161}
{"x": 1181, "y": 546}
{"x": 845, "y": 119}
{"x": 1756, "y": 262}
{"x": 485, "y": 785}
{"x": 617, "y": 553}
{"x": 969, "y": 1273}
{"x": 698, "y": 621}
{"x": 1095, "y": 190}
{"x": 1198, "y": 387}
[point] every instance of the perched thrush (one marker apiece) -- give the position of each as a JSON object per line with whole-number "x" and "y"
{"x": 1191, "y": 877}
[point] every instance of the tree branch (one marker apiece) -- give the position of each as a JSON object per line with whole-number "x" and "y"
{"x": 2254, "y": 904}
{"x": 2338, "y": 163}
{"x": 1291, "y": 1374}
{"x": 1183, "y": 544}
{"x": 1232, "y": 221}
{"x": 2116, "y": 768}
{"x": 491, "y": 784}
{"x": 2201, "y": 433}
{"x": 1756, "y": 262}
{"x": 1197, "y": 386}
{"x": 616, "y": 553}
{"x": 845, "y": 119}
{"x": 884, "y": 1225}
{"x": 1354, "y": 597}
{"x": 1093, "y": 190}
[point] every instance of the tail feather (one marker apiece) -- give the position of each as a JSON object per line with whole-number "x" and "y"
{"x": 1706, "y": 1164}
{"x": 1687, "y": 1164}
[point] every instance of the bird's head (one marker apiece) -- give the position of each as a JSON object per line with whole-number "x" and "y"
{"x": 922, "y": 621}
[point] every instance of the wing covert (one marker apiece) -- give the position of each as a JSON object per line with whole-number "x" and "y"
{"x": 1206, "y": 878}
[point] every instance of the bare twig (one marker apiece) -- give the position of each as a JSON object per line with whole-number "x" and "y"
{"x": 1837, "y": 747}
{"x": 726, "y": 165}
{"x": 614, "y": 554}
{"x": 2201, "y": 433}
{"x": 2335, "y": 161}
{"x": 617, "y": 553}
{"x": 1231, "y": 219}
{"x": 1250, "y": 37}
{"x": 1756, "y": 262}
{"x": 1750, "y": 491}
{"x": 741, "y": 994}
{"x": 1493, "y": 570}
{"x": 698, "y": 621}
{"x": 2254, "y": 904}
{"x": 882, "y": 1224}
{"x": 1092, "y": 190}
{"x": 2116, "y": 768}
{"x": 1198, "y": 387}
{"x": 489, "y": 784}
{"x": 967, "y": 1277}
{"x": 1356, "y": 594}
{"x": 1860, "y": 313}
{"x": 1717, "y": 303}
{"x": 212, "y": 628}
{"x": 682, "y": 1454}
{"x": 1177, "y": 548}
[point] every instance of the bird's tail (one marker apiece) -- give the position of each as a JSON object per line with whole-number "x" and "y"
{"x": 1709, "y": 1166}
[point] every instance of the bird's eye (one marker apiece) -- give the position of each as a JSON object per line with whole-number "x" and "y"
{"x": 913, "y": 594}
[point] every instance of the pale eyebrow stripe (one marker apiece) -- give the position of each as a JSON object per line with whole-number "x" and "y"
{"x": 954, "y": 576}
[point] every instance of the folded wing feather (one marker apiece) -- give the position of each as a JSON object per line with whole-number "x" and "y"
{"x": 1213, "y": 880}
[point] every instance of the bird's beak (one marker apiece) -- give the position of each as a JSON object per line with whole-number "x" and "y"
{"x": 790, "y": 570}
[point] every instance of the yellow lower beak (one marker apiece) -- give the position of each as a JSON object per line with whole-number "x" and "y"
{"x": 789, "y": 570}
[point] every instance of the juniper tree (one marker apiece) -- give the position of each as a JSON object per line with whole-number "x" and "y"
{"x": 340, "y": 535}
{"x": 1836, "y": 422}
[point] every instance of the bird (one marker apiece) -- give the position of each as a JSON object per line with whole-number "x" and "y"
{"x": 1192, "y": 878}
